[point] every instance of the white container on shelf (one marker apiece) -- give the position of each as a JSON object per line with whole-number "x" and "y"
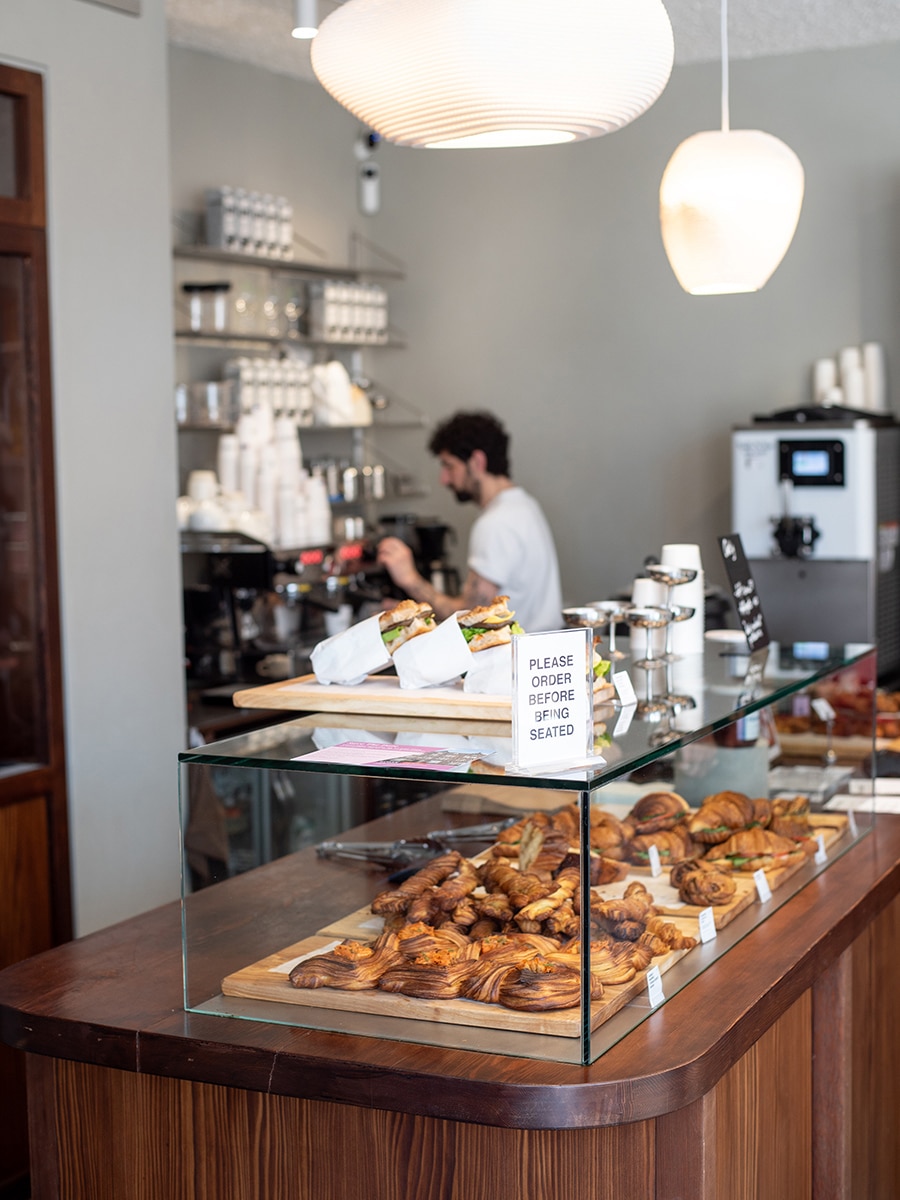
{"x": 687, "y": 636}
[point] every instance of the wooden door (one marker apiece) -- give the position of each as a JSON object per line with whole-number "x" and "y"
{"x": 35, "y": 904}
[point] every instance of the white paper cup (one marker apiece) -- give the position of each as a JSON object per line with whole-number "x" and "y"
{"x": 681, "y": 554}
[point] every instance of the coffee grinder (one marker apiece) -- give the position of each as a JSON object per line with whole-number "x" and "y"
{"x": 816, "y": 500}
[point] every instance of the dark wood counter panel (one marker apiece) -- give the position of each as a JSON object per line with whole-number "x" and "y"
{"x": 773, "y": 1074}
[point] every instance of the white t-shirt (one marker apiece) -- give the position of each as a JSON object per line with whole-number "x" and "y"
{"x": 511, "y": 545}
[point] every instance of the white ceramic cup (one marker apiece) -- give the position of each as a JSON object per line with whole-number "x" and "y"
{"x": 680, "y": 554}
{"x": 202, "y": 485}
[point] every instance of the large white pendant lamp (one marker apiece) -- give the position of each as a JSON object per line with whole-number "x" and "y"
{"x": 463, "y": 73}
{"x": 729, "y": 203}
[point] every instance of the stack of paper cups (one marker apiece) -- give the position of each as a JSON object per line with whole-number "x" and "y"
{"x": 685, "y": 678}
{"x": 647, "y": 593}
{"x": 687, "y": 636}
{"x": 875, "y": 376}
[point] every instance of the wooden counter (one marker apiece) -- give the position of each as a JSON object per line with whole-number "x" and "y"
{"x": 774, "y": 1075}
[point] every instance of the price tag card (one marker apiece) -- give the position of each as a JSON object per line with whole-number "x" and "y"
{"x": 655, "y": 864}
{"x": 624, "y": 719}
{"x": 654, "y": 987}
{"x": 851, "y": 819}
{"x": 707, "y": 922}
{"x": 823, "y": 709}
{"x": 762, "y": 886}
{"x": 820, "y": 855}
{"x": 621, "y": 681}
{"x": 553, "y": 700}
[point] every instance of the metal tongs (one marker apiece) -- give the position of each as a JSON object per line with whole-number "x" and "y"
{"x": 405, "y": 851}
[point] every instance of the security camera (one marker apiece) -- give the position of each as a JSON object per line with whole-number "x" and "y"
{"x": 369, "y": 188}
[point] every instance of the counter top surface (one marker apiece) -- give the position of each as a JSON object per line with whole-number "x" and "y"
{"x": 114, "y": 999}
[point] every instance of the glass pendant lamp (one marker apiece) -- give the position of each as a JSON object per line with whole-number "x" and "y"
{"x": 729, "y": 204}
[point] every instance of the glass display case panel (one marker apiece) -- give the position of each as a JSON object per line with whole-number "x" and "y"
{"x": 342, "y": 931}
{"x": 9, "y": 158}
{"x": 22, "y": 728}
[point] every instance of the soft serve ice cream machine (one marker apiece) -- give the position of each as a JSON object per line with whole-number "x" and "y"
{"x": 817, "y": 504}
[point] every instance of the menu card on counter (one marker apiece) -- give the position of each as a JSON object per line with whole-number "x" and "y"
{"x": 553, "y": 701}
{"x": 743, "y": 589}
{"x": 382, "y": 754}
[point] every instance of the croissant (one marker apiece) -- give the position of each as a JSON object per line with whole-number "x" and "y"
{"x": 529, "y": 917}
{"x": 453, "y": 889}
{"x": 608, "y": 834}
{"x": 755, "y": 849}
{"x": 762, "y": 811}
{"x": 790, "y": 816}
{"x": 657, "y": 811}
{"x": 353, "y": 966}
{"x": 431, "y": 875}
{"x": 670, "y": 934}
{"x": 720, "y": 816}
{"x": 674, "y": 845}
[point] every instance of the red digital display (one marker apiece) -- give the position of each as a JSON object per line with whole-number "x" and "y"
{"x": 312, "y": 558}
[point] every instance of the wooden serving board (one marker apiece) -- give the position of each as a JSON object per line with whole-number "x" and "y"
{"x": 832, "y": 826}
{"x": 377, "y": 694}
{"x": 381, "y": 695}
{"x": 264, "y": 981}
{"x": 814, "y": 745}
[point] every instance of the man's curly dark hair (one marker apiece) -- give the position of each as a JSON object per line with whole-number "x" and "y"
{"x": 466, "y": 432}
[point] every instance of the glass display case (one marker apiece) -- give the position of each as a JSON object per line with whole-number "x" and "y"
{"x": 397, "y": 881}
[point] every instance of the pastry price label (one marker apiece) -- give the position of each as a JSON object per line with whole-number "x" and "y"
{"x": 820, "y": 855}
{"x": 655, "y": 864}
{"x": 707, "y": 922}
{"x": 851, "y": 817}
{"x": 654, "y": 987}
{"x": 762, "y": 886}
{"x": 553, "y": 700}
{"x": 823, "y": 709}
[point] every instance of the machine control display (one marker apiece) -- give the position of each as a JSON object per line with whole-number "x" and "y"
{"x": 809, "y": 463}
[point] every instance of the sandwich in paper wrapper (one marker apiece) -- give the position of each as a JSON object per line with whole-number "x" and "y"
{"x": 436, "y": 657}
{"x": 488, "y": 631}
{"x": 348, "y": 657}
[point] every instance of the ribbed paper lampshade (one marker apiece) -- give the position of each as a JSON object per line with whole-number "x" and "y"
{"x": 729, "y": 203}
{"x": 494, "y": 72}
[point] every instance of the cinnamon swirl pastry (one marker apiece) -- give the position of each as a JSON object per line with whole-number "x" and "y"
{"x": 543, "y": 986}
{"x": 352, "y": 967}
{"x": 657, "y": 811}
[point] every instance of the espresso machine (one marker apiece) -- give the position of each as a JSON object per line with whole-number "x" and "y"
{"x": 816, "y": 500}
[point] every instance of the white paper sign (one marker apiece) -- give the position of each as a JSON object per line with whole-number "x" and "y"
{"x": 623, "y": 723}
{"x": 707, "y": 922}
{"x": 654, "y": 987}
{"x": 820, "y": 855}
{"x": 762, "y": 886}
{"x": 851, "y": 817}
{"x": 552, "y": 698}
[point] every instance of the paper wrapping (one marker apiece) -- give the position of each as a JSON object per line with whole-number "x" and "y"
{"x": 350, "y": 656}
{"x": 433, "y": 658}
{"x": 490, "y": 671}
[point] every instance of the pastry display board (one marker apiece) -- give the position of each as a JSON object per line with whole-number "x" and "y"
{"x": 268, "y": 980}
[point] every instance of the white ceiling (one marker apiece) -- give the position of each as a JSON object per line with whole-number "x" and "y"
{"x": 258, "y": 31}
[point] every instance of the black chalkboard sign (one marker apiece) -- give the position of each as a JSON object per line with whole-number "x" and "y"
{"x": 743, "y": 589}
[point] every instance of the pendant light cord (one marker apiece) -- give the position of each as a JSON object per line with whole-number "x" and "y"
{"x": 724, "y": 35}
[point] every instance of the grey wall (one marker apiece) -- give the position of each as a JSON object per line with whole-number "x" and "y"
{"x": 537, "y": 283}
{"x": 109, "y": 267}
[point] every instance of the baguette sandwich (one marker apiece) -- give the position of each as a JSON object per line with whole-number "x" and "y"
{"x": 404, "y": 622}
{"x": 489, "y": 625}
